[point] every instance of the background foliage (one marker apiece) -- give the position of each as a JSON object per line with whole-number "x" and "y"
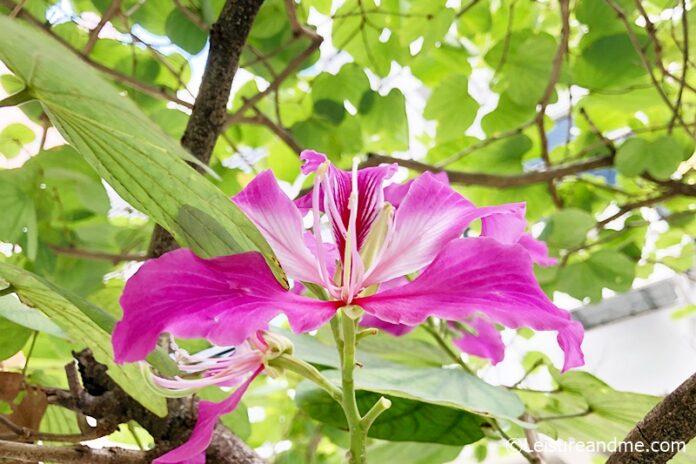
{"x": 585, "y": 110}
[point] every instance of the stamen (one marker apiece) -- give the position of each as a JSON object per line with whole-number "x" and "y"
{"x": 352, "y": 262}
{"x": 201, "y": 371}
{"x": 321, "y": 256}
{"x": 378, "y": 237}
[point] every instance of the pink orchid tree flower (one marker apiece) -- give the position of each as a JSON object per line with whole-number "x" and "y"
{"x": 396, "y": 258}
{"x": 505, "y": 223}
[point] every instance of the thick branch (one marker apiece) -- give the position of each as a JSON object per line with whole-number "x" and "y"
{"x": 496, "y": 180}
{"x": 78, "y": 454}
{"x": 672, "y": 421}
{"x": 103, "y": 400}
{"x": 227, "y": 38}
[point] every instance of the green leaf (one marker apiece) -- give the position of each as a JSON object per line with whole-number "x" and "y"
{"x": 330, "y": 109}
{"x": 14, "y": 336}
{"x": 18, "y": 223}
{"x": 13, "y": 137}
{"x": 412, "y": 453}
{"x": 613, "y": 413}
{"x": 568, "y": 228}
{"x": 270, "y": 20}
{"x": 609, "y": 62}
{"x": 660, "y": 158}
{"x": 524, "y": 62}
{"x": 453, "y": 388}
{"x": 351, "y": 80}
{"x": 383, "y": 121}
{"x": 184, "y": 33}
{"x": 144, "y": 165}
{"x": 631, "y": 155}
{"x": 452, "y": 107}
{"x": 406, "y": 420}
{"x": 70, "y": 313}
{"x": 13, "y": 310}
{"x": 604, "y": 269}
{"x": 684, "y": 312}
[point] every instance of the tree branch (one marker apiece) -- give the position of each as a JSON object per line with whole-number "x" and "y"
{"x": 110, "y": 12}
{"x": 497, "y": 180}
{"x": 77, "y": 454}
{"x": 548, "y": 92}
{"x": 672, "y": 421}
{"x": 94, "y": 255}
{"x": 646, "y": 64}
{"x": 298, "y": 30}
{"x": 227, "y": 38}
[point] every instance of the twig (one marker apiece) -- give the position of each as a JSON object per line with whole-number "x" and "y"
{"x": 27, "y": 358}
{"x": 575, "y": 415}
{"x": 17, "y": 9}
{"x": 298, "y": 30}
{"x": 456, "y": 357}
{"x": 598, "y": 133}
{"x": 652, "y": 34}
{"x": 508, "y": 36}
{"x": 628, "y": 207}
{"x": 526, "y": 374}
{"x": 94, "y": 255}
{"x": 532, "y": 438}
{"x": 466, "y": 8}
{"x": 113, "y": 9}
{"x": 484, "y": 143}
{"x": 685, "y": 66}
{"x": 281, "y": 132}
{"x": 76, "y": 454}
{"x": 191, "y": 16}
{"x": 548, "y": 92}
{"x": 526, "y": 454}
{"x": 644, "y": 61}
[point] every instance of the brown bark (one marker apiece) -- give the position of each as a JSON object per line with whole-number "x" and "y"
{"x": 227, "y": 38}
{"x": 671, "y": 422}
{"x": 105, "y": 401}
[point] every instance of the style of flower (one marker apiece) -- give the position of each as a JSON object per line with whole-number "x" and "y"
{"x": 397, "y": 254}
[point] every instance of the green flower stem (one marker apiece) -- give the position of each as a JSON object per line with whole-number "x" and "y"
{"x": 358, "y": 434}
{"x": 309, "y": 372}
{"x": 336, "y": 331}
{"x": 378, "y": 408}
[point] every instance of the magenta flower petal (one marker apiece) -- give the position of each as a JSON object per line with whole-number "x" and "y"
{"x": 537, "y": 250}
{"x": 224, "y": 300}
{"x": 395, "y": 193}
{"x": 193, "y": 451}
{"x": 479, "y": 274}
{"x": 312, "y": 160}
{"x": 397, "y": 330}
{"x": 505, "y": 223}
{"x": 430, "y": 216}
{"x": 280, "y": 222}
{"x": 487, "y": 343}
